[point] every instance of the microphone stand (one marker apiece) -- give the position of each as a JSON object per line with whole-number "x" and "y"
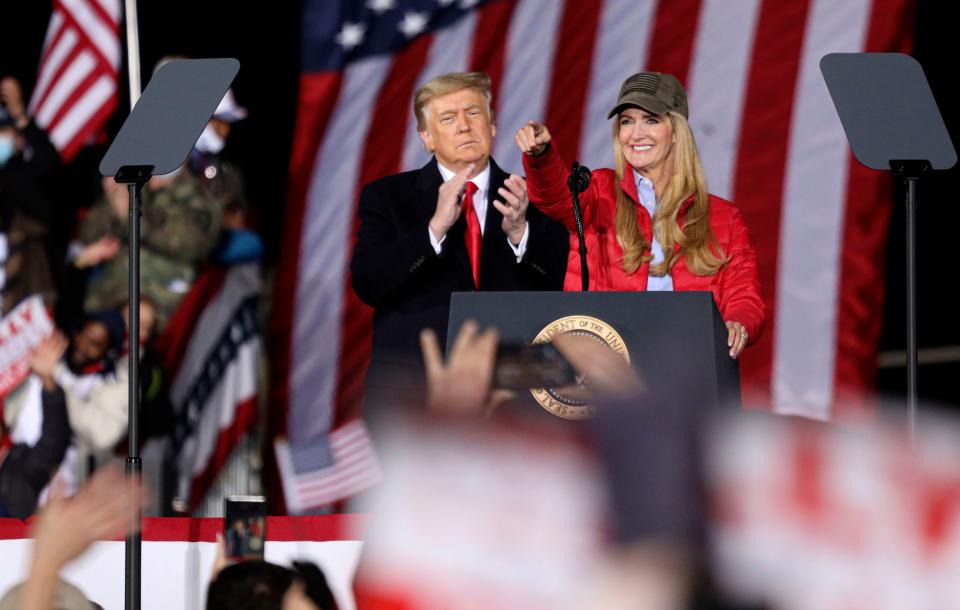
{"x": 578, "y": 182}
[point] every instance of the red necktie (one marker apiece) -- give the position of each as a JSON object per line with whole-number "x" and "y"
{"x": 473, "y": 237}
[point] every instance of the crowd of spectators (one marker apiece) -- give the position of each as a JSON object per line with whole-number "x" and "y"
{"x": 70, "y": 414}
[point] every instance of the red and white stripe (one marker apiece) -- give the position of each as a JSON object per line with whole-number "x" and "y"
{"x": 231, "y": 407}
{"x": 76, "y": 88}
{"x": 620, "y": 50}
{"x": 450, "y": 52}
{"x": 327, "y": 228}
{"x": 181, "y": 554}
{"x": 768, "y": 135}
{"x": 716, "y": 85}
{"x": 811, "y": 225}
{"x": 526, "y": 70}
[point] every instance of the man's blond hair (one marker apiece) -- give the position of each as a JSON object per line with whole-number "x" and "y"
{"x": 450, "y": 83}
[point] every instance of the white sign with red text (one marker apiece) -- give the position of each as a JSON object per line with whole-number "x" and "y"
{"x": 21, "y": 331}
{"x": 810, "y": 518}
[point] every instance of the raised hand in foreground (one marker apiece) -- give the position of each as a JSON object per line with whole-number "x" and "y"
{"x": 103, "y": 509}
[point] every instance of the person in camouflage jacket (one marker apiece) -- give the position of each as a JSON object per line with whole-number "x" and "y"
{"x": 178, "y": 229}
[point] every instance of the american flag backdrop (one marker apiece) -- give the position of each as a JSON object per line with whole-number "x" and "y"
{"x": 76, "y": 89}
{"x": 766, "y": 129}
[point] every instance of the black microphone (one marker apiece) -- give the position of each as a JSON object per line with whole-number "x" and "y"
{"x": 579, "y": 178}
{"x": 578, "y": 182}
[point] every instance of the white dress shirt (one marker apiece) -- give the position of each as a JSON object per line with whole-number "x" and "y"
{"x": 648, "y": 199}
{"x": 482, "y": 180}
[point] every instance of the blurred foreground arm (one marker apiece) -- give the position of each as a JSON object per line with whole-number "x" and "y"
{"x": 102, "y": 509}
{"x": 607, "y": 375}
{"x": 462, "y": 385}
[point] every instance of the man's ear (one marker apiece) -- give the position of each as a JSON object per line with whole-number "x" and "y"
{"x": 427, "y": 140}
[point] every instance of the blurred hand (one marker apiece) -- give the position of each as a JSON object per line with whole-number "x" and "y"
{"x": 533, "y": 138}
{"x": 514, "y": 209}
{"x": 448, "y": 203}
{"x": 462, "y": 386}
{"x": 736, "y": 338}
{"x": 220, "y": 561}
{"x": 95, "y": 253}
{"x": 12, "y": 97}
{"x": 104, "y": 508}
{"x": 606, "y": 374}
{"x": 46, "y": 356}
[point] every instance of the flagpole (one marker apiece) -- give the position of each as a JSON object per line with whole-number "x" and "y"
{"x": 133, "y": 51}
{"x": 133, "y": 568}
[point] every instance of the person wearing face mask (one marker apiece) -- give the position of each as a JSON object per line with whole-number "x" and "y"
{"x": 237, "y": 243}
{"x": 8, "y": 140}
{"x": 650, "y": 224}
{"x": 179, "y": 226}
{"x": 27, "y": 163}
{"x": 219, "y": 177}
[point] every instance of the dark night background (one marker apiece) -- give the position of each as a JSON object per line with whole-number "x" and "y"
{"x": 266, "y": 43}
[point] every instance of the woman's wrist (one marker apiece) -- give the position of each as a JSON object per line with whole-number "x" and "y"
{"x": 541, "y": 152}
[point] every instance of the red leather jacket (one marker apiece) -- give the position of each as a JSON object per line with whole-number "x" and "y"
{"x": 735, "y": 287}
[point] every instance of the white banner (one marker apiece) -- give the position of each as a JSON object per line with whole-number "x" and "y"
{"x": 176, "y": 573}
{"x": 21, "y": 331}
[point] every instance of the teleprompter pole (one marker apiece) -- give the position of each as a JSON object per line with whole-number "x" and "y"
{"x": 134, "y": 177}
{"x": 909, "y": 173}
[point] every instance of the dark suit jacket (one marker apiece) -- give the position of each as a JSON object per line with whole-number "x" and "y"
{"x": 396, "y": 271}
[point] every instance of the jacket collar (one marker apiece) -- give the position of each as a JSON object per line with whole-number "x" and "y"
{"x": 629, "y": 186}
{"x": 429, "y": 177}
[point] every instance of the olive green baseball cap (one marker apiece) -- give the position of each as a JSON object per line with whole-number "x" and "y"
{"x": 654, "y": 92}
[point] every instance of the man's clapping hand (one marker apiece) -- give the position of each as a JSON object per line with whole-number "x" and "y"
{"x": 448, "y": 203}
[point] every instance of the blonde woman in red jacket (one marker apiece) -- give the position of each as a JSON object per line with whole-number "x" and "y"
{"x": 650, "y": 223}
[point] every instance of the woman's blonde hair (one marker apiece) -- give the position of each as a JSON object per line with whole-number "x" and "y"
{"x": 698, "y": 245}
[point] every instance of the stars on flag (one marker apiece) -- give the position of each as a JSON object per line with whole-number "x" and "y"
{"x": 413, "y": 23}
{"x": 351, "y": 35}
{"x": 381, "y": 6}
{"x": 374, "y": 27}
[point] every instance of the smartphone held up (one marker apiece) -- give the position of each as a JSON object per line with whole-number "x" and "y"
{"x": 245, "y": 527}
{"x": 538, "y": 365}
